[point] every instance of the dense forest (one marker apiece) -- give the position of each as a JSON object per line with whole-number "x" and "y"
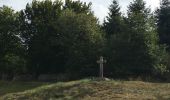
{"x": 66, "y": 39}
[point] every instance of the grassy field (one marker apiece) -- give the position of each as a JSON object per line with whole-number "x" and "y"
{"x": 88, "y": 90}
{"x": 11, "y": 87}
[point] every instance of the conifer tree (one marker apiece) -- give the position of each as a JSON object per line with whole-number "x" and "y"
{"x": 112, "y": 24}
{"x": 163, "y": 22}
{"x": 115, "y": 34}
{"x": 145, "y": 54}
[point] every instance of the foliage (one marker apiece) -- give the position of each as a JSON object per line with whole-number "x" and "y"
{"x": 37, "y": 31}
{"x": 53, "y": 37}
{"x": 115, "y": 40}
{"x": 144, "y": 39}
{"x": 10, "y": 45}
{"x": 114, "y": 21}
{"x": 133, "y": 49}
{"x": 163, "y": 22}
{"x": 78, "y": 6}
{"x": 83, "y": 41}
{"x": 59, "y": 39}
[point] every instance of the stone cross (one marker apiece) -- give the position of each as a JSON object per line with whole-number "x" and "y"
{"x": 101, "y": 62}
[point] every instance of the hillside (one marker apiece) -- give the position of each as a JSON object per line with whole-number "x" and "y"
{"x": 95, "y": 90}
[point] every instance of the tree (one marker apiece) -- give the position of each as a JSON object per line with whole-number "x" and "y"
{"x": 57, "y": 38}
{"x": 163, "y": 22}
{"x": 81, "y": 37}
{"x": 38, "y": 33}
{"x": 116, "y": 40}
{"x": 113, "y": 23}
{"x": 144, "y": 56}
{"x": 9, "y": 42}
{"x": 78, "y": 6}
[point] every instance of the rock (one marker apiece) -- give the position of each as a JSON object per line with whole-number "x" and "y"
{"x": 100, "y": 79}
{"x": 106, "y": 79}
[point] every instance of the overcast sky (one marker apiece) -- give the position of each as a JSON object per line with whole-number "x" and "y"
{"x": 100, "y": 7}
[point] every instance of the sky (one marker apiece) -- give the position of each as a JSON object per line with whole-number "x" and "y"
{"x": 100, "y": 7}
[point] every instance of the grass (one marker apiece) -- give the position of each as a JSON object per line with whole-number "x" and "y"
{"x": 11, "y": 87}
{"x": 95, "y": 90}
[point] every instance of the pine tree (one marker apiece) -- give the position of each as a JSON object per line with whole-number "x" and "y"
{"x": 145, "y": 53}
{"x": 112, "y": 24}
{"x": 163, "y": 22}
{"x": 78, "y": 6}
{"x": 115, "y": 34}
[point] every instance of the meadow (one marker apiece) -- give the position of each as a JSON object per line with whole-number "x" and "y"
{"x": 86, "y": 89}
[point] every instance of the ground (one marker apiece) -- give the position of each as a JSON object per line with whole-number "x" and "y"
{"x": 88, "y": 89}
{"x": 11, "y": 87}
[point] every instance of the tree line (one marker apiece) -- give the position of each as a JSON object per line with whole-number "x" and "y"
{"x": 55, "y": 37}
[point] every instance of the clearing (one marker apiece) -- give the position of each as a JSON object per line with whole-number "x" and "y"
{"x": 88, "y": 89}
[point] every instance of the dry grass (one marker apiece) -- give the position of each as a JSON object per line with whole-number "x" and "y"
{"x": 96, "y": 90}
{"x": 11, "y": 87}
